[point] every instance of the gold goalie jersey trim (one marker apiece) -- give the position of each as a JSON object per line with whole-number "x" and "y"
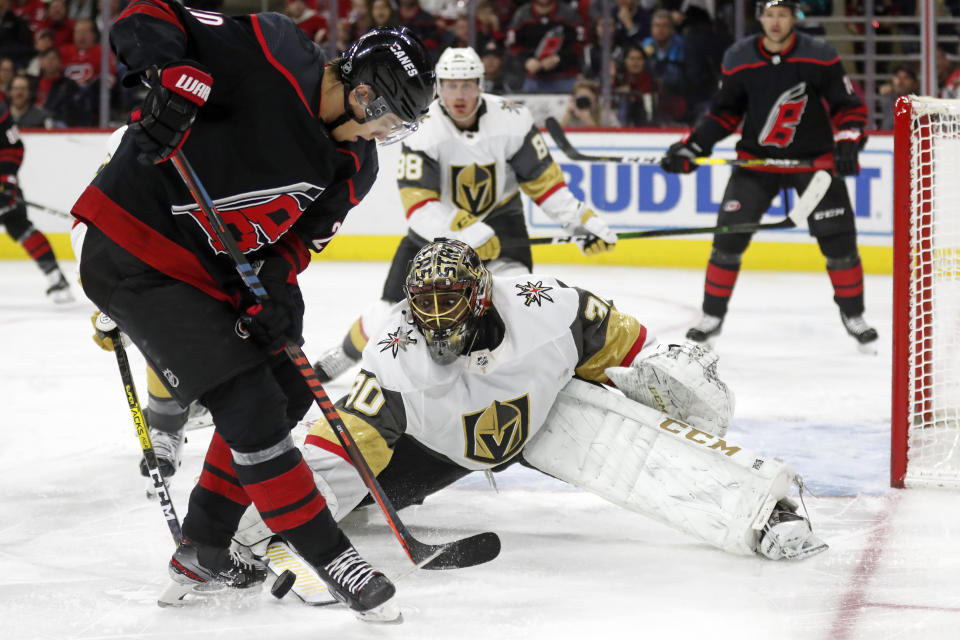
{"x": 481, "y": 410}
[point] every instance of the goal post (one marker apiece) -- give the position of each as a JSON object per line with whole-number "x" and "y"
{"x": 925, "y": 412}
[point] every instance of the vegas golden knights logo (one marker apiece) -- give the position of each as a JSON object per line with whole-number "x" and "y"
{"x": 474, "y": 187}
{"x": 497, "y": 433}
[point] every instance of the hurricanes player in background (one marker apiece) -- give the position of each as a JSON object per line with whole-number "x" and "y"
{"x": 460, "y": 177}
{"x": 13, "y": 211}
{"x": 285, "y": 142}
{"x": 775, "y": 86}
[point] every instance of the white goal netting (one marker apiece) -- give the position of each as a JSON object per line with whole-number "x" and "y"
{"x": 933, "y": 327}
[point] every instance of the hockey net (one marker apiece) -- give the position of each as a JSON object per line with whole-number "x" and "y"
{"x": 926, "y": 377}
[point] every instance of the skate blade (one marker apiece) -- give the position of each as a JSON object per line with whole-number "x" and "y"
{"x": 869, "y": 348}
{"x": 387, "y": 613}
{"x": 179, "y": 595}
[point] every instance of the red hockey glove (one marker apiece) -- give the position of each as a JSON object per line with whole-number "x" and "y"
{"x": 848, "y": 143}
{"x": 279, "y": 318}
{"x": 679, "y": 157}
{"x": 162, "y": 124}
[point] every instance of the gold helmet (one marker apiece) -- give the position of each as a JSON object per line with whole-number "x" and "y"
{"x": 448, "y": 289}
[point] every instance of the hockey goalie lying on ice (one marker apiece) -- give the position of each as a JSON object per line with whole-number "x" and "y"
{"x": 474, "y": 373}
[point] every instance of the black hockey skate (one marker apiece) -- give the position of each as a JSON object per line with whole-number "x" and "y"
{"x": 708, "y": 327}
{"x": 355, "y": 583}
{"x": 864, "y": 334}
{"x": 201, "y": 569}
{"x": 332, "y": 363}
{"x": 59, "y": 289}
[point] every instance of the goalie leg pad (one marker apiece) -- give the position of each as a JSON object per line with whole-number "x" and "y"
{"x": 680, "y": 380}
{"x": 647, "y": 462}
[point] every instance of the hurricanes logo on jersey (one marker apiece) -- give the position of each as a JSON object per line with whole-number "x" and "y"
{"x": 497, "y": 433}
{"x": 534, "y": 293}
{"x": 255, "y": 218}
{"x": 784, "y": 116}
{"x": 474, "y": 188}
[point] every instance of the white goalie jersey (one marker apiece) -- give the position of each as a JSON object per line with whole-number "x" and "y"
{"x": 449, "y": 178}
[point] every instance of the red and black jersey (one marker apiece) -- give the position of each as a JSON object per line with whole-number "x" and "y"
{"x": 11, "y": 147}
{"x": 788, "y": 103}
{"x": 559, "y": 32}
{"x": 281, "y": 183}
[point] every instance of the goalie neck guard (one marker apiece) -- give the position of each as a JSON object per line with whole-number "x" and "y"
{"x": 396, "y": 65}
{"x": 448, "y": 289}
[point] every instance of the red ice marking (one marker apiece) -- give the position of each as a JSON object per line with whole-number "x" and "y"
{"x": 910, "y": 607}
{"x": 854, "y": 599}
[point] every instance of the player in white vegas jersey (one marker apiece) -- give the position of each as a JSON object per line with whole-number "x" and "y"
{"x": 460, "y": 176}
{"x": 477, "y": 372}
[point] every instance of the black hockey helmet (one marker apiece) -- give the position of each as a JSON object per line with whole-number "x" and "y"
{"x": 396, "y": 65}
{"x": 448, "y": 289}
{"x": 789, "y": 4}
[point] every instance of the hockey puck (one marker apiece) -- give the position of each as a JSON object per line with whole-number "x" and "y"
{"x": 283, "y": 584}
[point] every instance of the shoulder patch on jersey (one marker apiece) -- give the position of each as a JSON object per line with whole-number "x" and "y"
{"x": 534, "y": 293}
{"x": 510, "y": 105}
{"x": 397, "y": 341}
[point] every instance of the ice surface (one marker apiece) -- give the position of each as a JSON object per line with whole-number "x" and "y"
{"x": 83, "y": 553}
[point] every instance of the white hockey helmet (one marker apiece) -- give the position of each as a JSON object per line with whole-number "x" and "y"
{"x": 459, "y": 63}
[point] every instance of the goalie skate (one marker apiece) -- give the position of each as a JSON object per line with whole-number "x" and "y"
{"x": 203, "y": 570}
{"x": 788, "y": 536}
{"x": 168, "y": 448}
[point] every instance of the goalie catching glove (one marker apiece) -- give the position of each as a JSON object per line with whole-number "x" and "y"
{"x": 162, "y": 124}
{"x": 600, "y": 238}
{"x": 681, "y": 381}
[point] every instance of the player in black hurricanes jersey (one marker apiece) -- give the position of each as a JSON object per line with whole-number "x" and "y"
{"x": 776, "y": 85}
{"x": 284, "y": 141}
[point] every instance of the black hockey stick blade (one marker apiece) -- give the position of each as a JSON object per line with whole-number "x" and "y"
{"x": 468, "y": 552}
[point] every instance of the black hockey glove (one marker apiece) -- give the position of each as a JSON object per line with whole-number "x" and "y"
{"x": 848, "y": 143}
{"x": 10, "y": 197}
{"x": 679, "y": 157}
{"x": 161, "y": 125}
{"x": 280, "y": 318}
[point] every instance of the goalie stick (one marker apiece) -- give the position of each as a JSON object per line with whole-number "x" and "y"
{"x": 806, "y": 203}
{"x": 556, "y": 132}
{"x": 466, "y": 552}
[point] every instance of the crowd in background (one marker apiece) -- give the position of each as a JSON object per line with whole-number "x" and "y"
{"x": 664, "y": 60}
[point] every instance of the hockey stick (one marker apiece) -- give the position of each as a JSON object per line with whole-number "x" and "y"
{"x": 806, "y": 203}
{"x": 466, "y": 552}
{"x": 50, "y": 210}
{"x": 143, "y": 434}
{"x": 556, "y": 132}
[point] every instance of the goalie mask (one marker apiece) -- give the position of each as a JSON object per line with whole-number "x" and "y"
{"x": 448, "y": 290}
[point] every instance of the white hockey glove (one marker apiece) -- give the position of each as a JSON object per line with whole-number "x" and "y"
{"x": 600, "y": 237}
{"x": 102, "y": 326}
{"x": 681, "y": 381}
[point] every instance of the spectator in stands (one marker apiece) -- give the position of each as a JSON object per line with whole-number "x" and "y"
{"x": 703, "y": 48}
{"x": 383, "y": 13}
{"x": 310, "y": 22}
{"x": 593, "y": 51}
{"x": 488, "y": 24}
{"x": 81, "y": 59}
{"x": 903, "y": 82}
{"x": 60, "y": 95}
{"x": 583, "y": 108}
{"x": 7, "y": 71}
{"x": 424, "y": 24}
{"x": 665, "y": 62}
{"x": 25, "y": 114}
{"x": 547, "y": 37}
{"x": 948, "y": 75}
{"x": 42, "y": 41}
{"x": 83, "y": 8}
{"x": 59, "y": 23}
{"x": 16, "y": 40}
{"x": 633, "y": 90}
{"x": 632, "y": 22}
{"x": 33, "y": 12}
{"x": 496, "y": 78}
{"x": 358, "y": 23}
